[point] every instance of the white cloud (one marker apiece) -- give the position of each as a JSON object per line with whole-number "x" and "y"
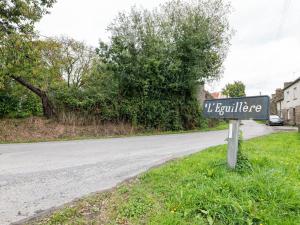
{"x": 264, "y": 52}
{"x": 86, "y": 20}
{"x": 263, "y": 67}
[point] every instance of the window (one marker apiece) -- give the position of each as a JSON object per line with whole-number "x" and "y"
{"x": 288, "y": 114}
{"x": 295, "y": 93}
{"x": 287, "y": 96}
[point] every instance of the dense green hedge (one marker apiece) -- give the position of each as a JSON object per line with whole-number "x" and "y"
{"x": 164, "y": 114}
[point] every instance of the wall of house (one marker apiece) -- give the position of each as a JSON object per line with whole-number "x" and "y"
{"x": 291, "y": 115}
{"x": 292, "y": 96}
{"x": 291, "y": 104}
{"x": 298, "y": 115}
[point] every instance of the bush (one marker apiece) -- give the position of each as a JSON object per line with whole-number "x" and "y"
{"x": 17, "y": 102}
{"x": 159, "y": 58}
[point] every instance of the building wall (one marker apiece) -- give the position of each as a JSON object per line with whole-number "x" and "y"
{"x": 291, "y": 115}
{"x": 276, "y": 102}
{"x": 298, "y": 115}
{"x": 291, "y": 104}
{"x": 292, "y": 96}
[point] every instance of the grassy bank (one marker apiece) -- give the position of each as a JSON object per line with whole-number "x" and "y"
{"x": 200, "y": 189}
{"x": 38, "y": 129}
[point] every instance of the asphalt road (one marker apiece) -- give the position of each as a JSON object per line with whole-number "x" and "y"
{"x": 35, "y": 177}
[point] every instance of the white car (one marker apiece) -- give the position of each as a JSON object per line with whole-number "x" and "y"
{"x": 275, "y": 120}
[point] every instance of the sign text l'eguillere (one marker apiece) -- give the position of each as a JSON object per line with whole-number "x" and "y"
{"x": 242, "y": 108}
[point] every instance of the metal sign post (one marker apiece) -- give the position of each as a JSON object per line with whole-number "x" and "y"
{"x": 233, "y": 143}
{"x": 237, "y": 109}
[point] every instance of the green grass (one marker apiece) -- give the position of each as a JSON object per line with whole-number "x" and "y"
{"x": 200, "y": 189}
{"x": 261, "y": 121}
{"x": 220, "y": 126}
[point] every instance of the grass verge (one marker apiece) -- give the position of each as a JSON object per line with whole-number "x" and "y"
{"x": 200, "y": 189}
{"x": 37, "y": 129}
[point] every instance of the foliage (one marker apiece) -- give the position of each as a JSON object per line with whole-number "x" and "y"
{"x": 148, "y": 74}
{"x": 42, "y": 64}
{"x": 163, "y": 114}
{"x": 236, "y": 89}
{"x": 28, "y": 61}
{"x": 243, "y": 162}
{"x": 201, "y": 189}
{"x": 17, "y": 102}
{"x": 20, "y": 54}
{"x": 76, "y": 60}
{"x": 160, "y": 57}
{"x": 20, "y": 15}
{"x": 25, "y": 56}
{"x": 97, "y": 96}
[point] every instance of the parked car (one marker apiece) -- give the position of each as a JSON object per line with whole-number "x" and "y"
{"x": 275, "y": 120}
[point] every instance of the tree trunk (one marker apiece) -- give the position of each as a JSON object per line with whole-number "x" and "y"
{"x": 48, "y": 108}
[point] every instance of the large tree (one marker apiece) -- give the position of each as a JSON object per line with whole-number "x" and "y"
{"x": 21, "y": 53}
{"x": 171, "y": 48}
{"x": 160, "y": 57}
{"x": 20, "y": 15}
{"x": 236, "y": 89}
{"x": 77, "y": 60}
{"x": 30, "y": 63}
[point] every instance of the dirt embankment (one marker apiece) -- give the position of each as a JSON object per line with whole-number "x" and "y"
{"x": 40, "y": 129}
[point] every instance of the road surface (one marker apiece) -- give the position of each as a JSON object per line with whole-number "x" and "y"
{"x": 35, "y": 177}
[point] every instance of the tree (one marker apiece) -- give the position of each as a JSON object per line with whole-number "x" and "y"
{"x": 160, "y": 57}
{"x": 19, "y": 16}
{"x": 27, "y": 62}
{"x": 21, "y": 55}
{"x": 236, "y": 89}
{"x": 77, "y": 60}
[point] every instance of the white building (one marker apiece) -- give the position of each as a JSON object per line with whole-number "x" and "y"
{"x": 290, "y": 105}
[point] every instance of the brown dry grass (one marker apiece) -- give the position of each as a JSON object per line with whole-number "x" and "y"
{"x": 40, "y": 129}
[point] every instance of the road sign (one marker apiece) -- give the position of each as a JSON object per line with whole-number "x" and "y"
{"x": 243, "y": 108}
{"x": 237, "y": 109}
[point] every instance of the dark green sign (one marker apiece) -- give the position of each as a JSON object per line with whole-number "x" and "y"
{"x": 244, "y": 108}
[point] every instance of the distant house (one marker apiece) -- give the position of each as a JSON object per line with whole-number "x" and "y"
{"x": 287, "y": 102}
{"x": 291, "y": 102}
{"x": 277, "y": 102}
{"x": 218, "y": 95}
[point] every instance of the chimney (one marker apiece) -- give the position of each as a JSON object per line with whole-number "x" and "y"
{"x": 278, "y": 91}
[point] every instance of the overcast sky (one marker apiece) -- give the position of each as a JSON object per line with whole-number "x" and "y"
{"x": 265, "y": 50}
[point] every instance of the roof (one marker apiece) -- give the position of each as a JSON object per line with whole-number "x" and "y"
{"x": 217, "y": 95}
{"x": 292, "y": 83}
{"x": 208, "y": 95}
